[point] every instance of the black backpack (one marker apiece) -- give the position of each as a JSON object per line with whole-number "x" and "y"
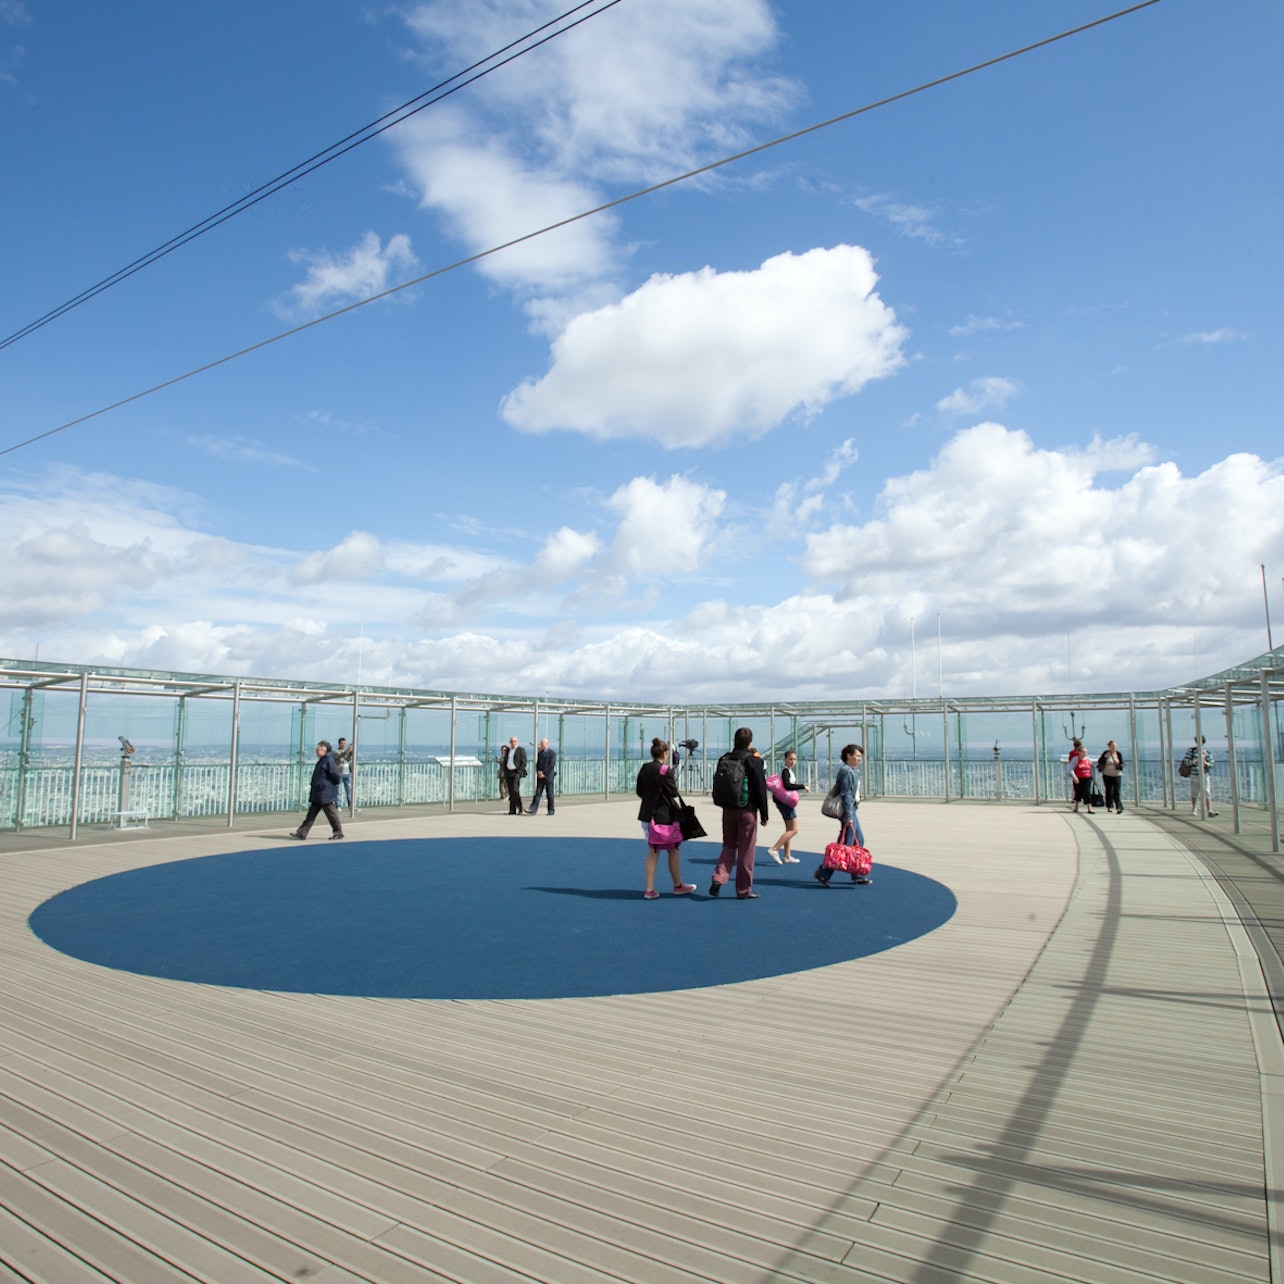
{"x": 731, "y": 781}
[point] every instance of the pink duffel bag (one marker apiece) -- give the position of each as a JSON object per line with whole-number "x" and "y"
{"x": 851, "y": 860}
{"x": 788, "y": 797}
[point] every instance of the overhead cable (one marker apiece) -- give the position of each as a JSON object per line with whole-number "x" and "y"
{"x": 323, "y": 157}
{"x": 576, "y": 218}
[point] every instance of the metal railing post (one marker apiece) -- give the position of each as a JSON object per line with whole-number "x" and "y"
{"x": 80, "y": 746}
{"x": 1268, "y": 760}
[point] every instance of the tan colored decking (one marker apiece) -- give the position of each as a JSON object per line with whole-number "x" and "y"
{"x": 1064, "y": 1082}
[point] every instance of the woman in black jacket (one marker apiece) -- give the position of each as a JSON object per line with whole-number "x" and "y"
{"x": 659, "y": 815}
{"x": 1111, "y": 767}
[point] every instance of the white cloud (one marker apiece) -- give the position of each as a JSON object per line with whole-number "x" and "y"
{"x": 697, "y": 359}
{"x": 488, "y": 195}
{"x": 1013, "y": 545}
{"x": 242, "y": 450}
{"x": 359, "y": 556}
{"x": 634, "y": 94}
{"x": 981, "y": 325}
{"x": 1006, "y": 538}
{"x": 665, "y": 527}
{"x": 641, "y": 93}
{"x": 981, "y": 394}
{"x": 913, "y": 221}
{"x": 333, "y": 280}
{"x": 1222, "y": 335}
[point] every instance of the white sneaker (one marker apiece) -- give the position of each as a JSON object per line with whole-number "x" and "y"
{"x": 792, "y": 860}
{"x": 775, "y": 855}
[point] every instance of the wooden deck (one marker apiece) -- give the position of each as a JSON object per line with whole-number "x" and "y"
{"x": 1067, "y": 1081}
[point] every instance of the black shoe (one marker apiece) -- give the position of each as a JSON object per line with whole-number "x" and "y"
{"x": 819, "y": 876}
{"x": 294, "y": 833}
{"x": 714, "y": 888}
{"x": 338, "y": 835}
{"x": 1212, "y": 813}
{"x": 863, "y": 879}
{"x": 748, "y": 896}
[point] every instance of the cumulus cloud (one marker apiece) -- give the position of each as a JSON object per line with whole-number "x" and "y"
{"x": 488, "y": 195}
{"x": 1010, "y": 538}
{"x": 641, "y": 93}
{"x": 563, "y": 554}
{"x": 697, "y": 359}
{"x": 1014, "y": 545}
{"x": 678, "y": 516}
{"x": 359, "y": 556}
{"x": 981, "y": 394}
{"x": 369, "y": 267}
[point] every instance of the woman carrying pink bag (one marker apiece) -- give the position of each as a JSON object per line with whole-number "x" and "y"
{"x": 659, "y": 814}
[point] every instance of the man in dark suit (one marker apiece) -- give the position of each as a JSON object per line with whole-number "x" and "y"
{"x": 514, "y": 765}
{"x": 545, "y": 770}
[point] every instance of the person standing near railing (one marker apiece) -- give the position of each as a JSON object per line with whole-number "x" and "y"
{"x": 1201, "y": 786}
{"x": 345, "y": 755}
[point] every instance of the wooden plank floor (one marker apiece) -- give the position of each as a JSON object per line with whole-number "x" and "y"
{"x": 1067, "y": 1081}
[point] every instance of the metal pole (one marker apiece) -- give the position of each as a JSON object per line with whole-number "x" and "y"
{"x": 180, "y": 734}
{"x": 1132, "y": 749}
{"x": 945, "y": 745}
{"x": 80, "y": 745}
{"x": 1202, "y": 808}
{"x": 24, "y": 752}
{"x": 231, "y": 771}
{"x": 1170, "y": 792}
{"x": 1231, "y": 760}
{"x": 1268, "y": 760}
{"x": 606, "y": 761}
{"x": 451, "y": 788}
{"x": 704, "y": 753}
{"x": 401, "y": 758}
{"x": 1266, "y": 602}
{"x": 356, "y": 748}
{"x": 1034, "y": 749}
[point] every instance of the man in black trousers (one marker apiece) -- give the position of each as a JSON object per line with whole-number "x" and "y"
{"x": 514, "y": 768}
{"x": 324, "y": 794}
{"x": 545, "y": 770}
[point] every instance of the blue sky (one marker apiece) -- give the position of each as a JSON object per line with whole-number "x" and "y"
{"x": 1004, "y": 353}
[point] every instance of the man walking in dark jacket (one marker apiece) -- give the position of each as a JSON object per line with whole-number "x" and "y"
{"x": 740, "y": 822}
{"x": 325, "y": 793}
{"x": 545, "y": 770}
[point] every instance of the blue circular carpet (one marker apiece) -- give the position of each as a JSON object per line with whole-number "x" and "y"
{"x": 476, "y": 918}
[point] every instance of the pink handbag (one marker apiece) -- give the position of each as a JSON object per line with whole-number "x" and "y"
{"x": 662, "y": 836}
{"x": 788, "y": 797}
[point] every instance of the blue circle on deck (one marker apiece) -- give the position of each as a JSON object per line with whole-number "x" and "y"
{"x": 477, "y": 918}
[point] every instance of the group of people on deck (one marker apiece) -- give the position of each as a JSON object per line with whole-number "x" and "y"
{"x": 657, "y": 787}
{"x": 1195, "y": 766}
{"x": 512, "y": 771}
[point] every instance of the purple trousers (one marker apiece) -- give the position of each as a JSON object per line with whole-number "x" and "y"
{"x": 739, "y": 838}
